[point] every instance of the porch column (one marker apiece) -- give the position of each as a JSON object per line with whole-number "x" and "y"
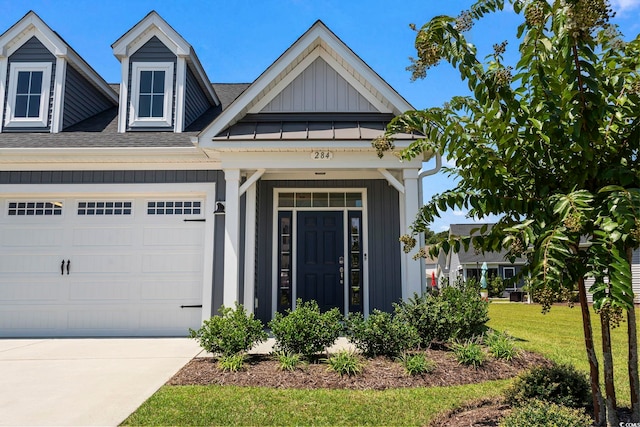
{"x": 231, "y": 237}
{"x": 250, "y": 249}
{"x": 409, "y": 205}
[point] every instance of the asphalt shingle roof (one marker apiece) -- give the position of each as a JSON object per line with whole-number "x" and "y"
{"x": 471, "y": 255}
{"x": 101, "y": 130}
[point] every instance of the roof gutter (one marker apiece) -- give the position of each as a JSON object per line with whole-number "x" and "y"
{"x": 421, "y": 175}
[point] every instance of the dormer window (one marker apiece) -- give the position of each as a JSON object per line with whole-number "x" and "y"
{"x": 151, "y": 94}
{"x": 28, "y": 101}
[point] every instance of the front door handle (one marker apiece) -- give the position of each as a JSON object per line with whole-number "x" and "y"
{"x": 68, "y": 265}
{"x": 62, "y": 267}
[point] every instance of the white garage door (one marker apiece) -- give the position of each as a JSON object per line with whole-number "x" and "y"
{"x": 101, "y": 266}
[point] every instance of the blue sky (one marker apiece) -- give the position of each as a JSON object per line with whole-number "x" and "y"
{"x": 237, "y": 40}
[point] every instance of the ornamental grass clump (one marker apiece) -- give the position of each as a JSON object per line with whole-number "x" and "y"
{"x": 288, "y": 361}
{"x": 417, "y": 364}
{"x": 345, "y": 362}
{"x": 232, "y": 363}
{"x": 501, "y": 345}
{"x": 469, "y": 353}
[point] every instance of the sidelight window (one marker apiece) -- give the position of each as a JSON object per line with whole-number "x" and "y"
{"x": 355, "y": 262}
{"x": 284, "y": 261}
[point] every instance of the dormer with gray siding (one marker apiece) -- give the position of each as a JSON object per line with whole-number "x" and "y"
{"x": 82, "y": 99}
{"x": 28, "y": 100}
{"x": 44, "y": 85}
{"x": 164, "y": 85}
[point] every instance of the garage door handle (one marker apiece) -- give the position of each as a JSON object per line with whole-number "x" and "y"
{"x": 68, "y": 265}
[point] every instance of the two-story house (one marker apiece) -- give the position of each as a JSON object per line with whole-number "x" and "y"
{"x": 139, "y": 208}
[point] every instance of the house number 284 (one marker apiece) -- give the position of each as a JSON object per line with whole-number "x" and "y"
{"x": 321, "y": 155}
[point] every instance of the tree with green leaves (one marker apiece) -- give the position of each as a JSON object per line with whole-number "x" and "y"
{"x": 551, "y": 144}
{"x": 431, "y": 237}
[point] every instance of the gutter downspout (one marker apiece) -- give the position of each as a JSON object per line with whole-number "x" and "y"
{"x": 423, "y": 174}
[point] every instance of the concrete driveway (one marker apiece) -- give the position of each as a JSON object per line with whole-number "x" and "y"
{"x": 84, "y": 382}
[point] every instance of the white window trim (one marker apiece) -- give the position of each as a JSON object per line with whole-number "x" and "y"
{"x": 43, "y": 116}
{"x": 165, "y": 120}
{"x": 513, "y": 269}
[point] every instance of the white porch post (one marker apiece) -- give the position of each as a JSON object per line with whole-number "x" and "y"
{"x": 409, "y": 205}
{"x": 231, "y": 237}
{"x": 250, "y": 249}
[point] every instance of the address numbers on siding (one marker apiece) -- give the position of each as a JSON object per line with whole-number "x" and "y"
{"x": 322, "y": 155}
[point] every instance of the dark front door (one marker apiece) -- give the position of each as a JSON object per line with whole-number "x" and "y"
{"x": 320, "y": 247}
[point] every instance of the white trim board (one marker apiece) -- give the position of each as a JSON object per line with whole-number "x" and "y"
{"x": 314, "y": 36}
{"x": 275, "y": 233}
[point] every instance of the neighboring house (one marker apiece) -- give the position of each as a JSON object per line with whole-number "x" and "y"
{"x": 139, "y": 208}
{"x": 468, "y": 263}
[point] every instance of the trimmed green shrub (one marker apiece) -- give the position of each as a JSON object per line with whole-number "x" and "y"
{"x": 232, "y": 362}
{"x": 454, "y": 313}
{"x": 561, "y": 384}
{"x": 232, "y": 332}
{"x": 545, "y": 414}
{"x": 345, "y": 362}
{"x": 496, "y": 286}
{"x": 417, "y": 364}
{"x": 288, "y": 361}
{"x": 469, "y": 353}
{"x": 305, "y": 330}
{"x": 501, "y": 345}
{"x": 381, "y": 334}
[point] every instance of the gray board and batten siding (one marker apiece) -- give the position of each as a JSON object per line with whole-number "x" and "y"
{"x": 81, "y": 99}
{"x": 153, "y": 51}
{"x": 32, "y": 51}
{"x": 385, "y": 286}
{"x": 319, "y": 88}
{"x": 196, "y": 102}
{"x": 114, "y": 177}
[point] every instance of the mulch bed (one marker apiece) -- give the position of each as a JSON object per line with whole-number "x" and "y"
{"x": 378, "y": 374}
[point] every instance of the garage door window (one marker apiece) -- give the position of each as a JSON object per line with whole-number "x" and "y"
{"x": 105, "y": 208}
{"x": 174, "y": 207}
{"x": 34, "y": 208}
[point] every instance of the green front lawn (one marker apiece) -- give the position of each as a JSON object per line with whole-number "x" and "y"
{"x": 557, "y": 335}
{"x": 227, "y": 405}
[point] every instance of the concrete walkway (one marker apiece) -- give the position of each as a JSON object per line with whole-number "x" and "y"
{"x": 267, "y": 347}
{"x": 84, "y": 382}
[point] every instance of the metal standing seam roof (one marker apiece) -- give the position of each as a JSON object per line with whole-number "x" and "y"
{"x": 309, "y": 126}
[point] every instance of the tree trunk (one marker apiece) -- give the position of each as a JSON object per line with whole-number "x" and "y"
{"x": 609, "y": 385}
{"x": 598, "y": 408}
{"x": 633, "y": 356}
